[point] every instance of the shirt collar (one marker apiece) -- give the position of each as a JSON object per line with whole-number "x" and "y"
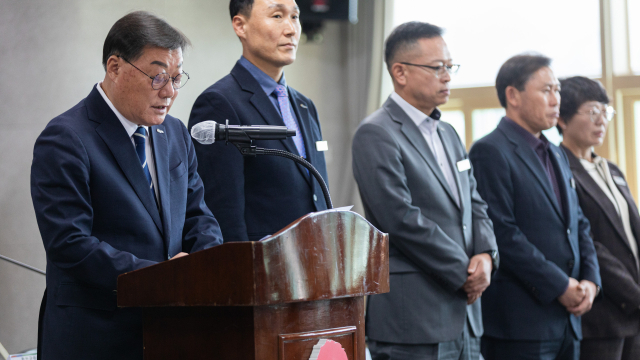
{"x": 129, "y": 126}
{"x": 266, "y": 82}
{"x": 597, "y": 161}
{"x": 417, "y": 116}
{"x": 528, "y": 137}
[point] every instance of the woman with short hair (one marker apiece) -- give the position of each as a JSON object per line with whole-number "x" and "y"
{"x": 611, "y": 329}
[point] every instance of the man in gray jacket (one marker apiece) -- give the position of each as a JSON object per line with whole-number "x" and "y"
{"x": 416, "y": 184}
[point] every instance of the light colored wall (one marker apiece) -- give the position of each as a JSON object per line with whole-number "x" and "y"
{"x": 50, "y": 56}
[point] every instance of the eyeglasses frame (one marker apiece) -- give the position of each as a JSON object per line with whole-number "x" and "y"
{"x": 593, "y": 118}
{"x": 173, "y": 78}
{"x": 447, "y": 68}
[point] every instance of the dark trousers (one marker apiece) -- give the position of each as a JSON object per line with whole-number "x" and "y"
{"x": 567, "y": 348}
{"x": 611, "y": 349}
{"x": 465, "y": 347}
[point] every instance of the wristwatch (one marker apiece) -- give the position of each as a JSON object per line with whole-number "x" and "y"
{"x": 495, "y": 260}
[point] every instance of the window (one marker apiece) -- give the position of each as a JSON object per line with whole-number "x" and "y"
{"x": 483, "y": 36}
{"x": 485, "y": 121}
{"x": 456, "y": 119}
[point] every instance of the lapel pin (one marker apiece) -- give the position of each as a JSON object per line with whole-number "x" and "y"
{"x": 303, "y": 106}
{"x": 160, "y": 131}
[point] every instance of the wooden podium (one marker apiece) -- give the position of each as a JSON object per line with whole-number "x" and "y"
{"x": 270, "y": 300}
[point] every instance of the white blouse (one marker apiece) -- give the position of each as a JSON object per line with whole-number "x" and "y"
{"x": 601, "y": 174}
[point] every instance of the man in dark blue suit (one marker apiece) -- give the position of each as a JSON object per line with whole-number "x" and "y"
{"x": 255, "y": 197}
{"x": 115, "y": 189}
{"x": 549, "y": 273}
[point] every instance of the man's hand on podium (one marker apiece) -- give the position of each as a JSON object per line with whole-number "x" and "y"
{"x": 179, "y": 255}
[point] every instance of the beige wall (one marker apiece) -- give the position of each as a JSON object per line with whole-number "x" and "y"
{"x": 50, "y": 55}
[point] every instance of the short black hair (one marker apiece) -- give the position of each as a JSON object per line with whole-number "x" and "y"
{"x": 517, "y": 71}
{"x": 139, "y": 29}
{"x": 240, "y": 7}
{"x": 577, "y": 90}
{"x": 405, "y": 36}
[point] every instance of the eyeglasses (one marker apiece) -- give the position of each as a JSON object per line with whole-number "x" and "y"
{"x": 160, "y": 80}
{"x": 595, "y": 114}
{"x": 439, "y": 70}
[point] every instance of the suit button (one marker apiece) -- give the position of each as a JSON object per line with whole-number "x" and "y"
{"x": 571, "y": 263}
{"x": 315, "y": 197}
{"x": 623, "y": 305}
{"x": 568, "y": 231}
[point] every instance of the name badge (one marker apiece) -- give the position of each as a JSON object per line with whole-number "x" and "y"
{"x": 322, "y": 146}
{"x": 463, "y": 165}
{"x": 572, "y": 182}
{"x": 619, "y": 180}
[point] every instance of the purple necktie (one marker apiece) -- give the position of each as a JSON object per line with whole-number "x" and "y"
{"x": 289, "y": 122}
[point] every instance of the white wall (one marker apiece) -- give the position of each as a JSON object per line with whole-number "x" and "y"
{"x": 50, "y": 56}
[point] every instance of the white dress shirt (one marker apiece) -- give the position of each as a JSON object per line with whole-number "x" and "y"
{"x": 599, "y": 171}
{"x": 429, "y": 129}
{"x": 131, "y": 128}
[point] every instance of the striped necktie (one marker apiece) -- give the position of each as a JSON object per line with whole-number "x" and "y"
{"x": 139, "y": 139}
{"x": 289, "y": 121}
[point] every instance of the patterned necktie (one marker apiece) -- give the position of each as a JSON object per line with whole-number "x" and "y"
{"x": 139, "y": 139}
{"x": 289, "y": 121}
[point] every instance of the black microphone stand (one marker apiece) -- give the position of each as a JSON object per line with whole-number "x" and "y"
{"x": 16, "y": 262}
{"x": 247, "y": 148}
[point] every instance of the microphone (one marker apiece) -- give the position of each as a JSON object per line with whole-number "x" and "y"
{"x": 208, "y": 132}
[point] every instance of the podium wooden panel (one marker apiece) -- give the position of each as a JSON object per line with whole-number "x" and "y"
{"x": 268, "y": 300}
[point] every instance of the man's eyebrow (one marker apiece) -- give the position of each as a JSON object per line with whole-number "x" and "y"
{"x": 282, "y": 7}
{"x": 160, "y": 63}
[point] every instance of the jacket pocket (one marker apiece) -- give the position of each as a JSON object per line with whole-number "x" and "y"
{"x": 70, "y": 294}
{"x": 177, "y": 171}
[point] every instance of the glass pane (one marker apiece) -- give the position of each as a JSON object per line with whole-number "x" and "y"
{"x": 619, "y": 39}
{"x": 634, "y": 34}
{"x": 456, "y": 119}
{"x": 636, "y": 117}
{"x": 487, "y": 33}
{"x": 485, "y": 120}
{"x": 553, "y": 136}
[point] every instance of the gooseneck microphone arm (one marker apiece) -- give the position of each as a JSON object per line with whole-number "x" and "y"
{"x": 207, "y": 132}
{"x": 250, "y": 150}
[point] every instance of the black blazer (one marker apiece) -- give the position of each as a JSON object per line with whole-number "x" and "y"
{"x": 256, "y": 196}
{"x": 616, "y": 315}
{"x": 540, "y": 245}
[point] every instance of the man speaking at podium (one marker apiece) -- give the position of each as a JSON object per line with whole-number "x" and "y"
{"x": 255, "y": 197}
{"x": 115, "y": 189}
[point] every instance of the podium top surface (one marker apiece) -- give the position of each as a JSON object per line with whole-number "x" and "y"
{"x": 323, "y": 255}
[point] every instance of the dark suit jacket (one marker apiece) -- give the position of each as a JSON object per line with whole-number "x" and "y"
{"x": 540, "y": 247}
{"x": 431, "y": 238}
{"x": 98, "y": 220}
{"x": 617, "y": 314}
{"x": 256, "y": 196}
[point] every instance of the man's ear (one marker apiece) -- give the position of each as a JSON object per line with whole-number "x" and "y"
{"x": 512, "y": 96}
{"x": 114, "y": 67}
{"x": 239, "y": 23}
{"x": 398, "y": 74}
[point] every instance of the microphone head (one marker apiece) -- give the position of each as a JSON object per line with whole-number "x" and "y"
{"x": 291, "y": 133}
{"x": 204, "y": 132}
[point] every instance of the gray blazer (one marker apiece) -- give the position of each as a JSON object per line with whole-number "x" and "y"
{"x": 431, "y": 239}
